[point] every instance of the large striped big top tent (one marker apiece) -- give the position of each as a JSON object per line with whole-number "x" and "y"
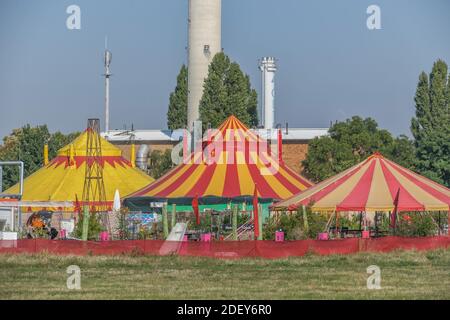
{"x": 231, "y": 162}
{"x": 59, "y": 184}
{"x": 376, "y": 184}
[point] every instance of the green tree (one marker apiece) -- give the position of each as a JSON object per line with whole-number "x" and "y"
{"x": 431, "y": 124}
{"x": 58, "y": 140}
{"x": 27, "y": 144}
{"x": 402, "y": 151}
{"x": 227, "y": 91}
{"x": 160, "y": 163}
{"x": 177, "y": 113}
{"x": 350, "y": 142}
{"x": 94, "y": 227}
{"x": 325, "y": 157}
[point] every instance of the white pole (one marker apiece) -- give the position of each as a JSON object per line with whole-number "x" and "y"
{"x": 108, "y": 57}
{"x": 263, "y": 88}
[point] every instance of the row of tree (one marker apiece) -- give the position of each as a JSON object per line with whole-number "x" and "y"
{"x": 351, "y": 141}
{"x": 27, "y": 144}
{"x": 226, "y": 91}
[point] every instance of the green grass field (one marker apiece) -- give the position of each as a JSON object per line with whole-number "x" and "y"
{"x": 404, "y": 275}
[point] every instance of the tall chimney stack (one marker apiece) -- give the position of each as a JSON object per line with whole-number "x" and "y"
{"x": 268, "y": 68}
{"x": 204, "y": 42}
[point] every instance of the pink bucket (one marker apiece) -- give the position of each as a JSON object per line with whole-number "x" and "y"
{"x": 62, "y": 233}
{"x": 366, "y": 234}
{"x": 279, "y": 236}
{"x": 323, "y": 236}
{"x": 104, "y": 236}
{"x": 206, "y": 237}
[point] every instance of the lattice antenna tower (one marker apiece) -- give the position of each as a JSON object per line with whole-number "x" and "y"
{"x": 94, "y": 186}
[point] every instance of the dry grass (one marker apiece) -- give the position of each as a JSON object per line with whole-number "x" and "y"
{"x": 405, "y": 275}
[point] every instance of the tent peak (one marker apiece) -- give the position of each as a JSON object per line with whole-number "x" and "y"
{"x": 376, "y": 154}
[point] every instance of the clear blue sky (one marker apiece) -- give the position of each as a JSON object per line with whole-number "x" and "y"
{"x": 330, "y": 65}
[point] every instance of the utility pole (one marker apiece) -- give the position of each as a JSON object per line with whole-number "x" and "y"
{"x": 107, "y": 75}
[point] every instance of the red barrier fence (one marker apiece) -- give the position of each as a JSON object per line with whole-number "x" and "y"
{"x": 223, "y": 249}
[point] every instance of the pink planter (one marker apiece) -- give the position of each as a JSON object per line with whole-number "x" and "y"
{"x": 104, "y": 236}
{"x": 206, "y": 237}
{"x": 279, "y": 236}
{"x": 62, "y": 233}
{"x": 366, "y": 234}
{"x": 323, "y": 236}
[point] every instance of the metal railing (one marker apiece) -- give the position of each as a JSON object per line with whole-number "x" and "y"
{"x": 244, "y": 228}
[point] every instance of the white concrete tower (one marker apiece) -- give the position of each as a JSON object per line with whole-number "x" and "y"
{"x": 268, "y": 67}
{"x": 204, "y": 42}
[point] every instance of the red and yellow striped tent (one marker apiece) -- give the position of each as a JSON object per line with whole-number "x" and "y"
{"x": 231, "y": 162}
{"x": 374, "y": 185}
{"x": 59, "y": 184}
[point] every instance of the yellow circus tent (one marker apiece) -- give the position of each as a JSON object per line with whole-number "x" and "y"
{"x": 59, "y": 184}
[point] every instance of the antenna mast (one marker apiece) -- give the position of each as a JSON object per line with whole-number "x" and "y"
{"x": 94, "y": 194}
{"x": 108, "y": 58}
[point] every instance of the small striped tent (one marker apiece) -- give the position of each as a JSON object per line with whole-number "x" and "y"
{"x": 374, "y": 185}
{"x": 231, "y": 162}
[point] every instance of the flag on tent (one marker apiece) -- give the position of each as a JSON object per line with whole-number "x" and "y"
{"x": 196, "y": 209}
{"x": 256, "y": 212}
{"x": 395, "y": 211}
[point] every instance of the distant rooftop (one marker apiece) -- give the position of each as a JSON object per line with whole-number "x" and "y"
{"x": 292, "y": 134}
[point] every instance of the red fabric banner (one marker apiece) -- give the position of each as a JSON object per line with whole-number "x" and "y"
{"x": 196, "y": 209}
{"x": 280, "y": 146}
{"x": 255, "y": 212}
{"x": 223, "y": 249}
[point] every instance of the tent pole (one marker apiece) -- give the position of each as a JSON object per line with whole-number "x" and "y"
{"x": 165, "y": 222}
{"x": 234, "y": 222}
{"x": 393, "y": 221}
{"x": 174, "y": 215}
{"x": 84, "y": 235}
{"x": 337, "y": 225}
{"x": 448, "y": 223}
{"x": 328, "y": 226}
{"x": 439, "y": 223}
{"x": 260, "y": 222}
{"x": 305, "y": 219}
{"x": 376, "y": 224}
{"x": 360, "y": 222}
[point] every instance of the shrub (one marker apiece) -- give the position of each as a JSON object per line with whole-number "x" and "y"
{"x": 416, "y": 224}
{"x": 293, "y": 225}
{"x": 94, "y": 229}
